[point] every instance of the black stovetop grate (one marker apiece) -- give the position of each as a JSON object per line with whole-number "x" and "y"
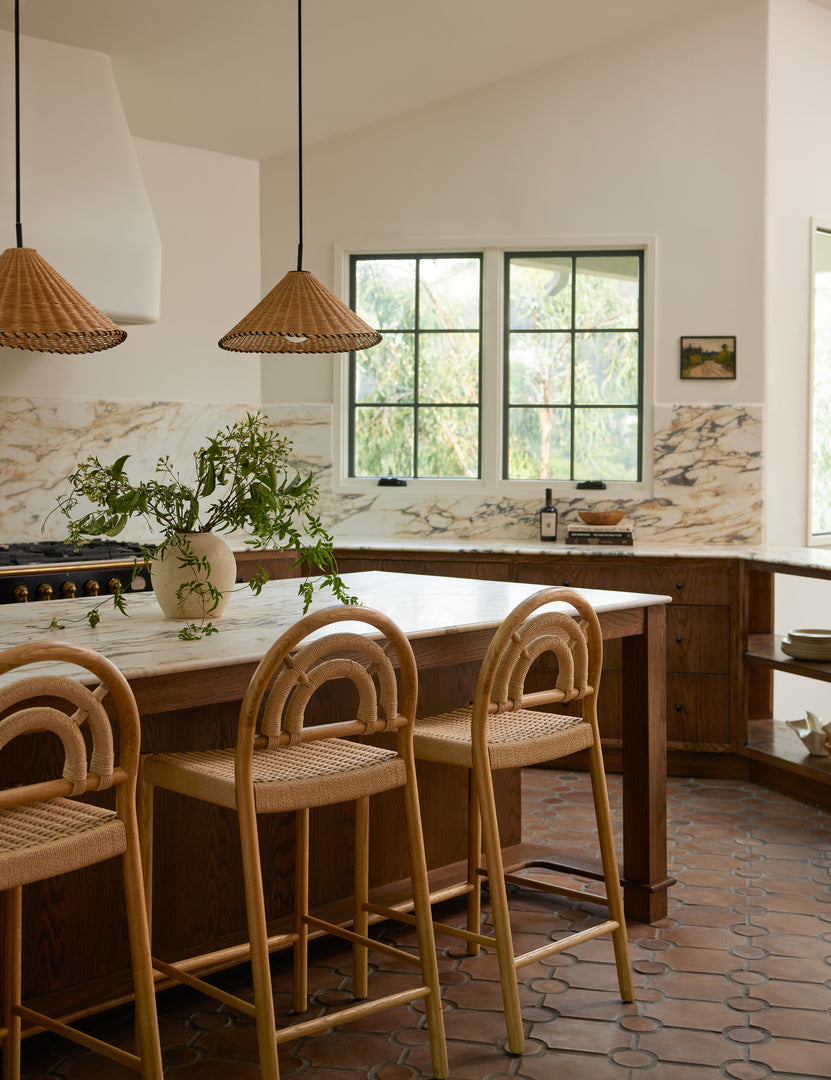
{"x": 54, "y": 551}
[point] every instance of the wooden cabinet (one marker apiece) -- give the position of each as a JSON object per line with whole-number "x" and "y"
{"x": 704, "y": 734}
{"x": 721, "y": 650}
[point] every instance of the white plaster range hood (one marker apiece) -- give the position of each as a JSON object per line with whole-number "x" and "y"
{"x": 84, "y": 206}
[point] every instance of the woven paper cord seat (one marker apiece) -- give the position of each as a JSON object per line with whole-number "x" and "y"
{"x": 45, "y": 831}
{"x": 312, "y": 774}
{"x": 291, "y": 767}
{"x": 504, "y": 729}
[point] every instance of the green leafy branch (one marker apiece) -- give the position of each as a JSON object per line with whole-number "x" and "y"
{"x": 242, "y": 481}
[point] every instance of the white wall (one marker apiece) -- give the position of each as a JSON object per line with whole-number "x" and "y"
{"x": 798, "y": 188}
{"x": 206, "y": 207}
{"x": 659, "y": 135}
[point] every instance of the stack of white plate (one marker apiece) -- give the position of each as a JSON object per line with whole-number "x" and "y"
{"x": 807, "y": 644}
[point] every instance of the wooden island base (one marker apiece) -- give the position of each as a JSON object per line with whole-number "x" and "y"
{"x": 81, "y": 961}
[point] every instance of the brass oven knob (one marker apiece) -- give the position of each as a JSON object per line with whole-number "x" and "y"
{"x": 68, "y": 589}
{"x": 114, "y": 584}
{"x": 21, "y": 594}
{"x": 91, "y": 587}
{"x": 45, "y": 591}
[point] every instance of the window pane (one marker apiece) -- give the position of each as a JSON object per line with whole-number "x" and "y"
{"x": 606, "y": 444}
{"x": 383, "y": 441}
{"x": 447, "y": 442}
{"x": 448, "y": 367}
{"x": 606, "y": 369}
{"x": 540, "y": 293}
{"x": 449, "y": 294}
{"x": 385, "y": 292}
{"x": 539, "y": 369}
{"x": 606, "y": 292}
{"x": 539, "y": 445}
{"x": 387, "y": 371}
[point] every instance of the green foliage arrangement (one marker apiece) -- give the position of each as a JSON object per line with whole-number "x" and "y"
{"x": 242, "y": 482}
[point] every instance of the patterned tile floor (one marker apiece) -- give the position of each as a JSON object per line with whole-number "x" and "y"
{"x": 736, "y": 982}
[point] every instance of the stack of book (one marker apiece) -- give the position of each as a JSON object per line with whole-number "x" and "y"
{"x": 619, "y": 535}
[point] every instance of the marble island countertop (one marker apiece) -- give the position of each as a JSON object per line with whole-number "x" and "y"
{"x": 145, "y": 644}
{"x": 818, "y": 558}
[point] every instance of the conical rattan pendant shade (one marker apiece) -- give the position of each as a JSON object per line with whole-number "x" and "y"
{"x": 300, "y": 315}
{"x": 42, "y": 312}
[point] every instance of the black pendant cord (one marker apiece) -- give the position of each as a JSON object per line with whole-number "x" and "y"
{"x": 299, "y": 140}
{"x": 18, "y": 224}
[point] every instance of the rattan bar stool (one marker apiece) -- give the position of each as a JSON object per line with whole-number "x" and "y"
{"x": 45, "y": 830}
{"x": 504, "y": 728}
{"x": 290, "y": 766}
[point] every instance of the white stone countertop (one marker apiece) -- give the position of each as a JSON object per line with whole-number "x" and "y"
{"x": 145, "y": 643}
{"x": 818, "y": 558}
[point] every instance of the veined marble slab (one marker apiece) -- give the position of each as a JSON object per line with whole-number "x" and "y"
{"x": 707, "y": 465}
{"x": 145, "y": 643}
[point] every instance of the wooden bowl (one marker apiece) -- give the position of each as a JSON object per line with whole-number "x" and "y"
{"x": 601, "y": 517}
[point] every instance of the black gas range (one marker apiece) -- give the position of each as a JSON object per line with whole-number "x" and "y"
{"x": 51, "y": 570}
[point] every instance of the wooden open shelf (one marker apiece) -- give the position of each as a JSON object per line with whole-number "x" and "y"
{"x": 765, "y": 650}
{"x": 779, "y": 760}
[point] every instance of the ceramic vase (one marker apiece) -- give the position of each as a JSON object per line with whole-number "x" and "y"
{"x": 181, "y": 590}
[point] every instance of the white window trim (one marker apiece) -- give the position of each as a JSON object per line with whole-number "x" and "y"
{"x": 491, "y": 484}
{"x": 813, "y": 539}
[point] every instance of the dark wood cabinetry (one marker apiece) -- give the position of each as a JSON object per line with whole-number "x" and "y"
{"x": 721, "y": 649}
{"x": 704, "y": 734}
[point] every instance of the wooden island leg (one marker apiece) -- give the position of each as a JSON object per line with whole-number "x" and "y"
{"x": 645, "y": 880}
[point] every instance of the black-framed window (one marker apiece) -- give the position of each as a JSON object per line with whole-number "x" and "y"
{"x": 414, "y": 400}
{"x": 573, "y": 370}
{"x": 566, "y": 369}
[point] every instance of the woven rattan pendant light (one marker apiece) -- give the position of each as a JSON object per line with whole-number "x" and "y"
{"x": 39, "y": 310}
{"x": 300, "y": 315}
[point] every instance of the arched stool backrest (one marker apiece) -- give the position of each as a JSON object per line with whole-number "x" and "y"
{"x": 45, "y": 830}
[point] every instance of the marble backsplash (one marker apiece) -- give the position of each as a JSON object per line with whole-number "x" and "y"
{"x": 707, "y": 472}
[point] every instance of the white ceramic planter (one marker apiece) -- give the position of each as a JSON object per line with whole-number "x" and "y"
{"x": 195, "y": 603}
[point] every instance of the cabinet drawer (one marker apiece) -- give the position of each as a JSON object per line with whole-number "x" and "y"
{"x": 698, "y": 711}
{"x": 686, "y": 584}
{"x": 698, "y": 639}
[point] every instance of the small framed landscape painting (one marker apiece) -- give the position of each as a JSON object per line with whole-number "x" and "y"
{"x": 708, "y": 357}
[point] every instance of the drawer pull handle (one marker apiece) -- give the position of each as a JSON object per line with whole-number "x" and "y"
{"x": 678, "y": 640}
{"x": 679, "y": 584}
{"x": 678, "y": 708}
{"x": 565, "y": 583}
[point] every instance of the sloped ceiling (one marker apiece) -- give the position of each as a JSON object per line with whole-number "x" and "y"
{"x": 221, "y": 74}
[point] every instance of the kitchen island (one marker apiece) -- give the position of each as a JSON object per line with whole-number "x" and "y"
{"x": 721, "y": 650}
{"x": 188, "y": 694}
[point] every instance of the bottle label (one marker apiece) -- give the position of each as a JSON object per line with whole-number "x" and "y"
{"x": 548, "y": 524}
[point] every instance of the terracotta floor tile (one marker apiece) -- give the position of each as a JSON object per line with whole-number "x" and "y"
{"x": 702, "y": 937}
{"x": 684, "y": 1046}
{"x": 568, "y": 1066}
{"x": 701, "y": 1015}
{"x": 742, "y": 952}
{"x": 797, "y": 1024}
{"x": 592, "y": 1036}
{"x": 795, "y": 1055}
{"x": 793, "y": 994}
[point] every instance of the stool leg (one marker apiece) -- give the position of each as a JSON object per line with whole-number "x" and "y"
{"x": 360, "y": 953}
{"x": 474, "y": 861}
{"x": 147, "y": 1024}
{"x": 13, "y": 962}
{"x": 258, "y": 936}
{"x": 144, "y": 808}
{"x": 300, "y": 980}
{"x": 424, "y": 918}
{"x": 501, "y": 914}
{"x": 610, "y": 872}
